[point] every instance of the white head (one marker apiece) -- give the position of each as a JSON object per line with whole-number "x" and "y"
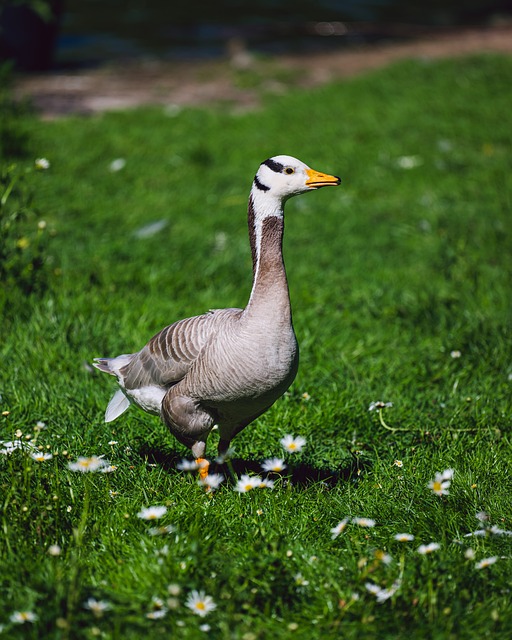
{"x": 282, "y": 177}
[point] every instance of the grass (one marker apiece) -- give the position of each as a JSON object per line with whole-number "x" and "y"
{"x": 401, "y": 288}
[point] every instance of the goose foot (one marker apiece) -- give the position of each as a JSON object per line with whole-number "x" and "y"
{"x": 204, "y": 466}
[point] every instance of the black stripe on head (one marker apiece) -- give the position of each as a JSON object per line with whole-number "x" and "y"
{"x": 275, "y": 166}
{"x": 260, "y": 186}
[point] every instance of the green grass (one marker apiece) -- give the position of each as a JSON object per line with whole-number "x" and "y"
{"x": 389, "y": 275}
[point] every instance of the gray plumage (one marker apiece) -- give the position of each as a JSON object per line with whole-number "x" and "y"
{"x": 225, "y": 367}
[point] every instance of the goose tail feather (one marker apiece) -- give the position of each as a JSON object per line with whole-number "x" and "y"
{"x": 117, "y": 405}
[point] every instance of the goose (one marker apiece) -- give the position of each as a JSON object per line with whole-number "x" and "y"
{"x": 226, "y": 367}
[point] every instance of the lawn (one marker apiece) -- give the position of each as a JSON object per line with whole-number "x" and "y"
{"x": 401, "y": 286}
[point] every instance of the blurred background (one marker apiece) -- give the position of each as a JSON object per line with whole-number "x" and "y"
{"x": 39, "y": 35}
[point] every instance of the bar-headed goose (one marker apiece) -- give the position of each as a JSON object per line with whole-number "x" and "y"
{"x": 225, "y": 367}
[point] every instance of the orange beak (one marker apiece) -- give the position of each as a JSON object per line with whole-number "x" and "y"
{"x": 316, "y": 179}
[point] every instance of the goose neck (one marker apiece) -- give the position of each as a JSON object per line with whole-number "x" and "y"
{"x": 266, "y": 229}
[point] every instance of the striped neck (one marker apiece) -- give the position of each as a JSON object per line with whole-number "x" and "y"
{"x": 266, "y": 228}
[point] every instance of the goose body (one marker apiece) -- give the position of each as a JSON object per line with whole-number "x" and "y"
{"x": 227, "y": 366}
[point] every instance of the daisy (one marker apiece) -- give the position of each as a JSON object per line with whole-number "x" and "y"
{"x": 40, "y": 456}
{"x": 161, "y": 531}
{"x": 246, "y": 483}
{"x": 375, "y": 406}
{"x": 371, "y": 587}
{"x": 409, "y": 162}
{"x": 225, "y": 455}
{"x": 273, "y": 464}
{"x": 291, "y": 444}
{"x": 117, "y": 164}
{"x": 20, "y": 617}
{"x": 300, "y": 581}
{"x": 212, "y": 481}
{"x": 364, "y": 522}
{"x": 200, "y": 603}
{"x": 174, "y": 589}
{"x": 425, "y": 549}
{"x": 9, "y": 447}
{"x": 42, "y": 164}
{"x": 109, "y": 468}
{"x": 486, "y": 562}
{"x": 385, "y": 594}
{"x": 398, "y": 463}
{"x": 404, "y": 537}
{"x": 339, "y": 528}
{"x": 98, "y": 607}
{"x": 441, "y": 482}
{"x": 266, "y": 484}
{"x": 187, "y": 465}
{"x": 152, "y": 513}
{"x": 54, "y": 550}
{"x": 383, "y": 557}
{"x": 157, "y": 615}
{"x": 88, "y": 465}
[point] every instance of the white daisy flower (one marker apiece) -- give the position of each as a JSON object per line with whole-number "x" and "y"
{"x": 20, "y": 617}
{"x": 225, "y": 455}
{"x": 9, "y": 446}
{"x": 152, "y": 513}
{"x": 40, "y": 456}
{"x": 42, "y": 164}
{"x": 292, "y": 444}
{"x": 174, "y": 589}
{"x": 409, "y": 162}
{"x": 200, "y": 603}
{"x": 364, "y": 522}
{"x": 404, "y": 537}
{"x": 246, "y": 483}
{"x": 383, "y": 557}
{"x": 266, "y": 484}
{"x": 98, "y": 607}
{"x": 161, "y": 531}
{"x": 371, "y": 587}
{"x": 486, "y": 562}
{"x": 117, "y": 165}
{"x": 375, "y": 406}
{"x": 339, "y": 528}
{"x": 88, "y": 465}
{"x": 441, "y": 482}
{"x": 54, "y": 550}
{"x": 273, "y": 464}
{"x": 212, "y": 481}
{"x": 187, "y": 465}
{"x": 425, "y": 549}
{"x": 158, "y": 614}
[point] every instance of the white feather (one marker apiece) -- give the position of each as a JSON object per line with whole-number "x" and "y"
{"x": 117, "y": 405}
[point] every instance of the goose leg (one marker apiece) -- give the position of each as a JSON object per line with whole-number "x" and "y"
{"x": 190, "y": 424}
{"x": 204, "y": 466}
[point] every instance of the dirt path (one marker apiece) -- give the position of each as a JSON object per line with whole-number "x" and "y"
{"x": 176, "y": 84}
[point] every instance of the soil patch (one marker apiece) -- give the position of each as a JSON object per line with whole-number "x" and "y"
{"x": 240, "y": 79}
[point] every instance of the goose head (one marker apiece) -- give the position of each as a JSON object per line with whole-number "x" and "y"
{"x": 283, "y": 176}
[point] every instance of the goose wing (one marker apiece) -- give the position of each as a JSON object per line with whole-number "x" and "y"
{"x": 168, "y": 356}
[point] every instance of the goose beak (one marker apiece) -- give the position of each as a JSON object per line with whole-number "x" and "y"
{"x": 316, "y": 179}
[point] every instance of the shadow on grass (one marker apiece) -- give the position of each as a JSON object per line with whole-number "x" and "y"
{"x": 299, "y": 474}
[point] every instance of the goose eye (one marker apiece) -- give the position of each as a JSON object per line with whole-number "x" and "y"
{"x": 289, "y": 171}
